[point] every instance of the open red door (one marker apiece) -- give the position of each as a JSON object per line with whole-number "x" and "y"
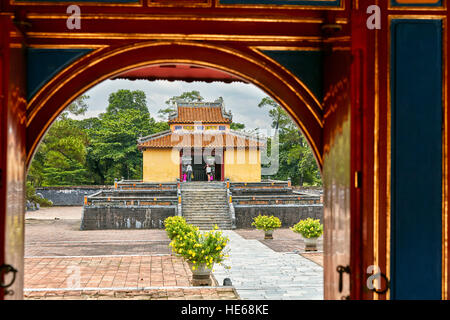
{"x": 12, "y": 162}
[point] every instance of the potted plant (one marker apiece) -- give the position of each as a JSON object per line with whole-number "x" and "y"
{"x": 176, "y": 225}
{"x": 201, "y": 250}
{"x": 311, "y": 230}
{"x": 266, "y": 223}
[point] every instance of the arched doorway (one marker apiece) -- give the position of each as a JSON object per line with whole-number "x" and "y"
{"x": 242, "y": 60}
{"x": 368, "y": 73}
{"x": 285, "y": 88}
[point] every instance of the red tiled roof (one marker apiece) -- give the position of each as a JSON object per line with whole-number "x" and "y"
{"x": 199, "y": 140}
{"x": 204, "y": 114}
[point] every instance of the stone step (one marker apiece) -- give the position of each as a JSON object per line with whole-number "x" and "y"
{"x": 204, "y": 208}
{"x": 203, "y": 191}
{"x": 209, "y": 224}
{"x": 211, "y": 197}
{"x": 203, "y": 187}
{"x": 207, "y": 214}
{"x": 212, "y": 217}
{"x": 199, "y": 192}
{"x": 203, "y": 195}
{"x": 205, "y": 204}
{"x": 201, "y": 205}
{"x": 208, "y": 218}
{"x": 208, "y": 221}
{"x": 202, "y": 200}
{"x": 211, "y": 227}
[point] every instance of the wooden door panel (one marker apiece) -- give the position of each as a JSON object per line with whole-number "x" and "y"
{"x": 336, "y": 174}
{"x": 14, "y": 155}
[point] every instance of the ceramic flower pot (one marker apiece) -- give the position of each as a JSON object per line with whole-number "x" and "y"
{"x": 268, "y": 234}
{"x": 201, "y": 276}
{"x": 310, "y": 244}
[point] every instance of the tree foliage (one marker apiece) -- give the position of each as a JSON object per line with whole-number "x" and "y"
{"x": 189, "y": 96}
{"x": 112, "y": 148}
{"x": 61, "y": 157}
{"x": 97, "y": 150}
{"x": 125, "y": 99}
{"x": 296, "y": 160}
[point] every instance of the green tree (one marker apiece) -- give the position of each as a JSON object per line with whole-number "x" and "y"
{"x": 237, "y": 126}
{"x": 112, "y": 151}
{"x": 126, "y": 99}
{"x": 189, "y": 96}
{"x": 78, "y": 107}
{"x": 95, "y": 150}
{"x": 61, "y": 157}
{"x": 296, "y": 160}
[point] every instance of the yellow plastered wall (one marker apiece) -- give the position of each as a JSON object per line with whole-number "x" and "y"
{"x": 161, "y": 165}
{"x": 243, "y": 165}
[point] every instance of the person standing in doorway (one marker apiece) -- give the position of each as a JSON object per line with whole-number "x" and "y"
{"x": 208, "y": 171}
{"x": 189, "y": 172}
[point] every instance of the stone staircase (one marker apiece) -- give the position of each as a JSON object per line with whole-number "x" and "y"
{"x": 205, "y": 204}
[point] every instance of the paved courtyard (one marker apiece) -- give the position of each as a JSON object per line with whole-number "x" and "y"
{"x": 258, "y": 272}
{"x": 136, "y": 264}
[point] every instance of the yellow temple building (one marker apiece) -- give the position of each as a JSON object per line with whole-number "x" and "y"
{"x": 200, "y": 135}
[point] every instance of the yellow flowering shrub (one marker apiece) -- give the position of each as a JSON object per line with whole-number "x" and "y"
{"x": 309, "y": 228}
{"x": 266, "y": 223}
{"x": 201, "y": 247}
{"x": 176, "y": 225}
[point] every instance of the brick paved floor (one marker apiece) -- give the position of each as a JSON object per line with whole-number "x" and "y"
{"x": 144, "y": 294}
{"x": 119, "y": 264}
{"x": 114, "y": 277}
{"x": 112, "y": 264}
{"x": 106, "y": 272}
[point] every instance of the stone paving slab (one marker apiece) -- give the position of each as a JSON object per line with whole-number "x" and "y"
{"x": 258, "y": 272}
{"x": 64, "y": 238}
{"x": 56, "y": 212}
{"x": 284, "y": 240}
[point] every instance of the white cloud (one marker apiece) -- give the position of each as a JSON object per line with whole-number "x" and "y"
{"x": 242, "y": 99}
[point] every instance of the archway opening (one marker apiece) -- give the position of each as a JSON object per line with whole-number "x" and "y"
{"x": 154, "y": 72}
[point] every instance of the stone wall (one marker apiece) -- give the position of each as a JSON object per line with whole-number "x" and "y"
{"x": 125, "y": 217}
{"x": 288, "y": 214}
{"x": 69, "y": 196}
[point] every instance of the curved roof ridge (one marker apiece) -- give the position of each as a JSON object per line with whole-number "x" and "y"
{"x": 154, "y": 135}
{"x": 200, "y": 111}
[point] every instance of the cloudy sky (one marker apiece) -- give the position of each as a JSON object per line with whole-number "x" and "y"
{"x": 240, "y": 98}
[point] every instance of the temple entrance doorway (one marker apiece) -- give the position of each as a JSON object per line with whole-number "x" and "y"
{"x": 198, "y": 160}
